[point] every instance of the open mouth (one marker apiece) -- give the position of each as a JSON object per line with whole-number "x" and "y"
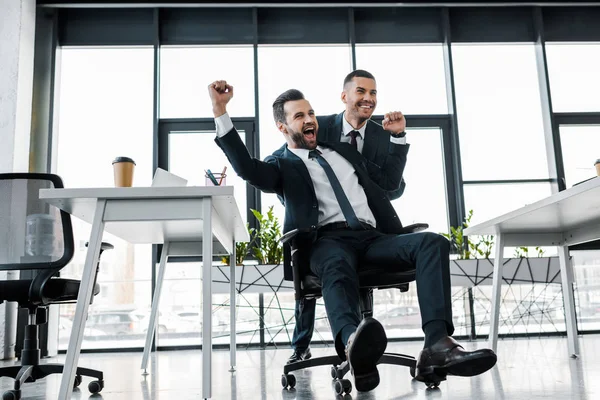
{"x": 309, "y": 132}
{"x": 366, "y": 106}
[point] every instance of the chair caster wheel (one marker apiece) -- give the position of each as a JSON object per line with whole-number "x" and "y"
{"x": 413, "y": 372}
{"x": 96, "y": 386}
{"x": 343, "y": 386}
{"x": 432, "y": 385}
{"x": 77, "y": 381}
{"x": 288, "y": 380}
{"x": 12, "y": 395}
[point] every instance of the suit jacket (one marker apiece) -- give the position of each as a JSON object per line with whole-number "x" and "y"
{"x": 376, "y": 151}
{"x": 287, "y": 176}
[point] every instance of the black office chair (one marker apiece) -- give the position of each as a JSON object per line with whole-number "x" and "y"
{"x": 308, "y": 286}
{"x": 36, "y": 236}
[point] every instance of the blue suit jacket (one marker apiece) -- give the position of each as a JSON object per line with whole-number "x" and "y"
{"x": 375, "y": 147}
{"x": 376, "y": 151}
{"x": 287, "y": 176}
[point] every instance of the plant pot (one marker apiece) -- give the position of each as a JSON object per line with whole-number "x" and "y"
{"x": 251, "y": 279}
{"x": 526, "y": 270}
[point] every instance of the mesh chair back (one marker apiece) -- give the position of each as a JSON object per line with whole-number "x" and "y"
{"x": 33, "y": 234}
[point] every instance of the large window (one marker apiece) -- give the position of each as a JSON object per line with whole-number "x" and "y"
{"x": 297, "y": 67}
{"x": 186, "y": 72}
{"x": 410, "y": 78}
{"x": 104, "y": 111}
{"x": 499, "y": 112}
{"x": 424, "y": 198}
{"x": 579, "y": 144}
{"x": 574, "y": 79}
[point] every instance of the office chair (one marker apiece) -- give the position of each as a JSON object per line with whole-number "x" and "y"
{"x": 36, "y": 236}
{"x": 372, "y": 276}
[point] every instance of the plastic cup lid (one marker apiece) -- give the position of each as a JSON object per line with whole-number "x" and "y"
{"x": 123, "y": 159}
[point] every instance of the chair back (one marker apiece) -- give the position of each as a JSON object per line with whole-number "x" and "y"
{"x": 33, "y": 234}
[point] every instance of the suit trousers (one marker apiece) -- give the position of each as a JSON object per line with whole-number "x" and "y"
{"x": 337, "y": 255}
{"x": 305, "y": 323}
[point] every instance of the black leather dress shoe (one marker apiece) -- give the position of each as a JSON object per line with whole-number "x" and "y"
{"x": 363, "y": 350}
{"x": 299, "y": 355}
{"x": 447, "y": 357}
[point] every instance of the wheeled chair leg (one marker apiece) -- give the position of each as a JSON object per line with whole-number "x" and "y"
{"x": 25, "y": 373}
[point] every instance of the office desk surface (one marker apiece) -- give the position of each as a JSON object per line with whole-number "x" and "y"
{"x": 568, "y": 212}
{"x": 128, "y": 219}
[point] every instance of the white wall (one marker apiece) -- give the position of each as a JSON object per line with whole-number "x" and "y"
{"x": 17, "y": 34}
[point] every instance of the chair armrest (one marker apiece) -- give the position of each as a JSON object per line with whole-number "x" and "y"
{"x": 289, "y": 236}
{"x": 293, "y": 233}
{"x": 414, "y": 228}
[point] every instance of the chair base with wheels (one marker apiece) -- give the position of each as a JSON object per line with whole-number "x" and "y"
{"x": 339, "y": 367}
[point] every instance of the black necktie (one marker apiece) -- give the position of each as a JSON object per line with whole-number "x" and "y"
{"x": 353, "y": 135}
{"x": 341, "y": 197}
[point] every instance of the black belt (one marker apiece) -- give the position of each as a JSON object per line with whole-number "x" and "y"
{"x": 334, "y": 226}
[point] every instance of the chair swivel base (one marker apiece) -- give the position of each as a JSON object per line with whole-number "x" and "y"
{"x": 340, "y": 368}
{"x": 31, "y": 373}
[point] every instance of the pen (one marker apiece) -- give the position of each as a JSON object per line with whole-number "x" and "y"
{"x": 222, "y": 175}
{"x": 211, "y": 177}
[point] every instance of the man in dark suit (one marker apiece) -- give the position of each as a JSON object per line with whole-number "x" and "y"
{"x": 329, "y": 189}
{"x": 372, "y": 140}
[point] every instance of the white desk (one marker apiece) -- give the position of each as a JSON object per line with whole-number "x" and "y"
{"x": 563, "y": 219}
{"x": 180, "y": 218}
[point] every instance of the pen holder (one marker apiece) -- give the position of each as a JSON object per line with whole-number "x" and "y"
{"x": 220, "y": 178}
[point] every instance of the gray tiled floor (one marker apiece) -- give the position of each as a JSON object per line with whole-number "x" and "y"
{"x": 527, "y": 369}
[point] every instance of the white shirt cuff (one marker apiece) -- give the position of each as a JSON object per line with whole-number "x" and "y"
{"x": 223, "y": 124}
{"x": 398, "y": 140}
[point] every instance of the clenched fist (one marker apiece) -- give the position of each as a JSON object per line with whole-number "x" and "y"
{"x": 394, "y": 122}
{"x": 220, "y": 93}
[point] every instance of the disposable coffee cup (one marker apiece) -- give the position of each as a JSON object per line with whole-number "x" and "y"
{"x": 123, "y": 169}
{"x": 597, "y": 165}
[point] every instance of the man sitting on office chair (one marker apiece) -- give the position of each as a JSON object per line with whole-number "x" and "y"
{"x": 328, "y": 188}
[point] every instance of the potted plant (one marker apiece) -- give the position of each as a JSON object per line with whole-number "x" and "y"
{"x": 473, "y": 266}
{"x": 263, "y": 273}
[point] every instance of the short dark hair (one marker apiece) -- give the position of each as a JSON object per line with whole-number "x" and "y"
{"x": 358, "y": 73}
{"x": 288, "y": 95}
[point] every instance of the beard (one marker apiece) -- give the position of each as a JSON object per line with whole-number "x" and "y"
{"x": 302, "y": 142}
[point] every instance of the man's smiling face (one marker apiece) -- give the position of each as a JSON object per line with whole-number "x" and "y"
{"x": 360, "y": 97}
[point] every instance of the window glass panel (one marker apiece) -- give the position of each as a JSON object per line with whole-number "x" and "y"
{"x": 186, "y": 72}
{"x": 298, "y": 67}
{"x": 104, "y": 111}
{"x": 574, "y": 78}
{"x": 499, "y": 112}
{"x": 587, "y": 290}
{"x": 411, "y": 78}
{"x": 191, "y": 153}
{"x": 493, "y": 200}
{"x": 424, "y": 198}
{"x": 579, "y": 146}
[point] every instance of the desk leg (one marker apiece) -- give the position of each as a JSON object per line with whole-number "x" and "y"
{"x": 83, "y": 302}
{"x": 232, "y": 332}
{"x": 566, "y": 276}
{"x": 207, "y": 298}
{"x": 496, "y": 290}
{"x": 155, "y": 304}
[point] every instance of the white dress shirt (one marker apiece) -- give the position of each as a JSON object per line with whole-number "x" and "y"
{"x": 360, "y": 138}
{"x": 329, "y": 208}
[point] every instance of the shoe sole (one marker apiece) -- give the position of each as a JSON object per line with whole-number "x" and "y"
{"x": 367, "y": 349}
{"x": 472, "y": 367}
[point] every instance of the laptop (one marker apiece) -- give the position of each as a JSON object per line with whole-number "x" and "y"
{"x": 164, "y": 178}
